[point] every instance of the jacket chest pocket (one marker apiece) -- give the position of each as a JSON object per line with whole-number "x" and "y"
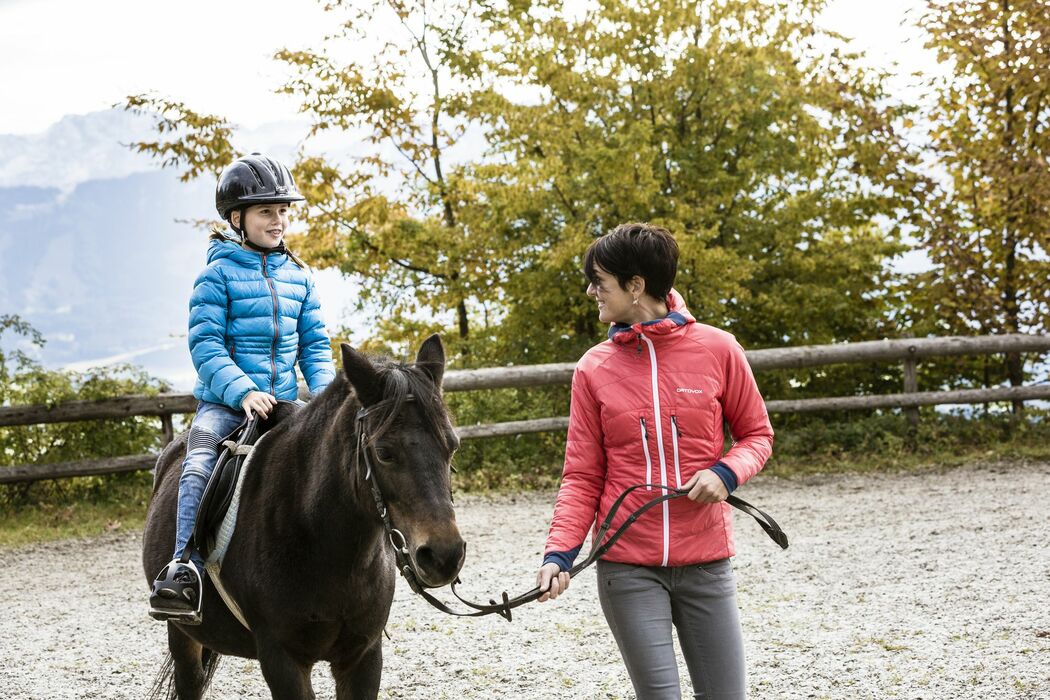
{"x": 696, "y": 426}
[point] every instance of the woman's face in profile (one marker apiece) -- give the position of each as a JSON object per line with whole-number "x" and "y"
{"x": 615, "y": 305}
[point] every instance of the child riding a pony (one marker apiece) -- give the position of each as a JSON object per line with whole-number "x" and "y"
{"x": 254, "y": 314}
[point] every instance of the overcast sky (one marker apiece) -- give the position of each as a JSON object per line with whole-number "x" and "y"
{"x": 63, "y": 57}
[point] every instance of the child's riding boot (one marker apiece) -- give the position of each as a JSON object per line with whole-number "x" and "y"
{"x": 177, "y": 593}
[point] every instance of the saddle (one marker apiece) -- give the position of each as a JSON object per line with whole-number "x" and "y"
{"x": 218, "y": 494}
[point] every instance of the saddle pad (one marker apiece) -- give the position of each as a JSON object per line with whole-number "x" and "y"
{"x": 219, "y": 490}
{"x": 224, "y": 533}
{"x": 222, "y": 538}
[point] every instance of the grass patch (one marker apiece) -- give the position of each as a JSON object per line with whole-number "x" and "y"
{"x": 886, "y": 442}
{"x": 46, "y": 513}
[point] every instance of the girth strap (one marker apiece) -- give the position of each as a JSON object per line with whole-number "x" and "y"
{"x": 214, "y": 569}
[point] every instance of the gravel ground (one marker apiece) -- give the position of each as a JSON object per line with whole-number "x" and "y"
{"x": 930, "y": 585}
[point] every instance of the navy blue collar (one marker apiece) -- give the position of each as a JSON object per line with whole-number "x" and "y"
{"x": 673, "y": 316}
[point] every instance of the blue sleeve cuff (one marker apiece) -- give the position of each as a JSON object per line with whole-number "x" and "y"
{"x": 726, "y": 475}
{"x": 564, "y": 560}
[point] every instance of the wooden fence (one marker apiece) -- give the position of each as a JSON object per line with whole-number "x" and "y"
{"x": 907, "y": 351}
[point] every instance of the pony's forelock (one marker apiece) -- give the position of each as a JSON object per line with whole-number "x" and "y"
{"x": 401, "y": 381}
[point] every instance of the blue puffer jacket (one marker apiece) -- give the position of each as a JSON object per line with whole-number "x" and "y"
{"x": 252, "y": 317}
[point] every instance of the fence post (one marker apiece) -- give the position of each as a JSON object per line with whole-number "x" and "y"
{"x": 911, "y": 386}
{"x": 167, "y": 428}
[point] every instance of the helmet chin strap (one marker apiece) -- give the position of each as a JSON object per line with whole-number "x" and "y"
{"x": 240, "y": 232}
{"x": 279, "y": 248}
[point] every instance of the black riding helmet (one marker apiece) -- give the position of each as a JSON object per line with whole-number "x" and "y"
{"x": 254, "y": 179}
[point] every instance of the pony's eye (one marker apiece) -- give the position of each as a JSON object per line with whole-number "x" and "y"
{"x": 384, "y": 454}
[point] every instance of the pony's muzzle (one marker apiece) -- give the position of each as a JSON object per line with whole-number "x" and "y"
{"x": 439, "y": 561}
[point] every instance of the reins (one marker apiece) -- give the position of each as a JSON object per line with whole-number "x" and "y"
{"x": 600, "y": 545}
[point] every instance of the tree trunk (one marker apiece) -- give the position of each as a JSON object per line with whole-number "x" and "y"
{"x": 1014, "y": 362}
{"x": 461, "y": 313}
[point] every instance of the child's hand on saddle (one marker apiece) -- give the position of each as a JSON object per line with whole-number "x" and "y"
{"x": 258, "y": 402}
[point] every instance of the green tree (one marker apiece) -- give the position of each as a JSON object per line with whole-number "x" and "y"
{"x": 750, "y": 132}
{"x": 743, "y": 127}
{"x": 987, "y": 229}
{"x": 747, "y": 130}
{"x": 407, "y": 244}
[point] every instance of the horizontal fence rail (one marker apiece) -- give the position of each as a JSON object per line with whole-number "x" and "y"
{"x": 561, "y": 373}
{"x": 843, "y": 403}
{"x": 99, "y": 409}
{"x": 908, "y": 351}
{"x": 86, "y": 467}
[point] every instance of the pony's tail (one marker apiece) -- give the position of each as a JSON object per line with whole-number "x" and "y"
{"x": 211, "y": 661}
{"x": 164, "y": 684}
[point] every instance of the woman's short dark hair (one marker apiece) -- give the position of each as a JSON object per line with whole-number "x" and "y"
{"x": 645, "y": 250}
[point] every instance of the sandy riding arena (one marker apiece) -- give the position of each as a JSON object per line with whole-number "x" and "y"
{"x": 931, "y": 585}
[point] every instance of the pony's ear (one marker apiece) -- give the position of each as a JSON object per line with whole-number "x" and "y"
{"x": 362, "y": 375}
{"x": 431, "y": 358}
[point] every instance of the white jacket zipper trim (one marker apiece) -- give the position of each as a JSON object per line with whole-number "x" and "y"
{"x": 659, "y": 446}
{"x": 674, "y": 441}
{"x": 648, "y": 459}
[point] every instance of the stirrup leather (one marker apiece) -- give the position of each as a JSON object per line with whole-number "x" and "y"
{"x": 177, "y": 593}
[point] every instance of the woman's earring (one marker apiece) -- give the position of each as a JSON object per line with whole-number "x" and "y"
{"x": 636, "y": 300}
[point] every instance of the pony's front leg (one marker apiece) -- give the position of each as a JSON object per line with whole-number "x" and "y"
{"x": 287, "y": 678}
{"x": 359, "y": 679}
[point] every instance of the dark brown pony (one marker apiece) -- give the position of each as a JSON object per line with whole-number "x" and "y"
{"x": 310, "y": 564}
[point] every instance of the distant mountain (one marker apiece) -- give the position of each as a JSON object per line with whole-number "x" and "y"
{"x": 77, "y": 149}
{"x": 85, "y": 147}
{"x": 92, "y": 254}
{"x": 105, "y": 270}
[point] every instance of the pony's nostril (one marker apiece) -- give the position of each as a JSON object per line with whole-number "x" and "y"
{"x": 441, "y": 560}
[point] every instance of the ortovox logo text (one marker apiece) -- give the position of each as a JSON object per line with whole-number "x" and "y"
{"x": 683, "y": 390}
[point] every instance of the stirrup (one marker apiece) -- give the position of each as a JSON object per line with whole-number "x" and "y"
{"x": 177, "y": 593}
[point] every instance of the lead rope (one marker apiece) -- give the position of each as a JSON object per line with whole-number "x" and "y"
{"x": 503, "y": 607}
{"x": 599, "y": 545}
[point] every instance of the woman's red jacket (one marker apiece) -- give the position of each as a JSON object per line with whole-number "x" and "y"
{"x": 648, "y": 406}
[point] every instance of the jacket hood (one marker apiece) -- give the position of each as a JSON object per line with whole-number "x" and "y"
{"x": 231, "y": 248}
{"x": 677, "y": 317}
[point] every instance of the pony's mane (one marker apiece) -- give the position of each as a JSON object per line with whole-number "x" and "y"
{"x": 400, "y": 381}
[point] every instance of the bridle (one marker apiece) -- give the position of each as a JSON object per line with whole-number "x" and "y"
{"x": 600, "y": 545}
{"x": 397, "y": 539}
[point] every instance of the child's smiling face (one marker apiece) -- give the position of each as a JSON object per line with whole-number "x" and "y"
{"x": 265, "y": 224}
